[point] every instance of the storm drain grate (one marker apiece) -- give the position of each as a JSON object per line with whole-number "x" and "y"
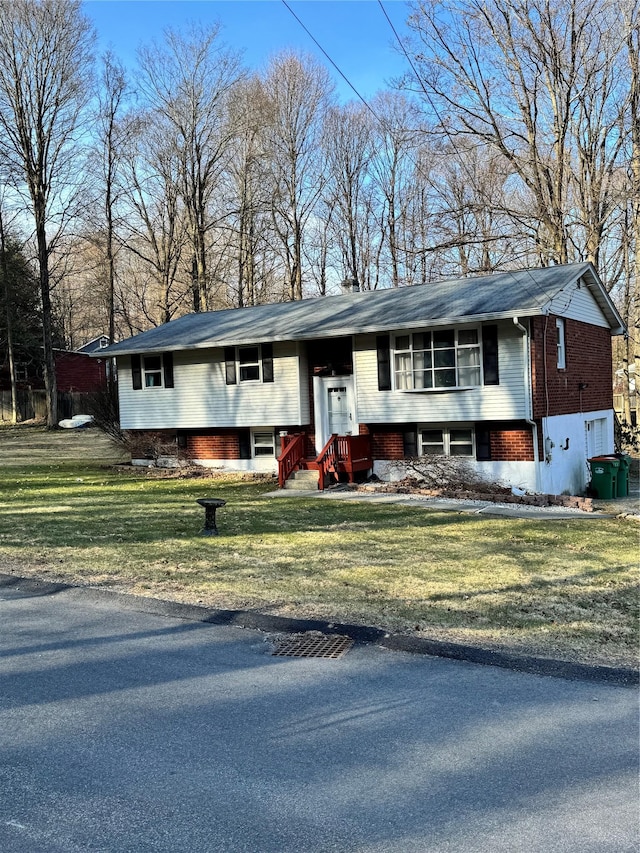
{"x": 313, "y": 646}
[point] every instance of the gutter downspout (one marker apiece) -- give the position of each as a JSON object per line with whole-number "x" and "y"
{"x": 526, "y": 354}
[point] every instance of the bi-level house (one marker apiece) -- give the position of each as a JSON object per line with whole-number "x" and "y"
{"x": 511, "y": 372}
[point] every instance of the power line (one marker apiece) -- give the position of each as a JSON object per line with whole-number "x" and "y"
{"x": 326, "y": 55}
{"x": 537, "y": 297}
{"x": 382, "y": 122}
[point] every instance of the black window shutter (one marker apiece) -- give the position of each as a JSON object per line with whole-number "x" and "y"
{"x": 244, "y": 443}
{"x": 167, "y": 365}
{"x": 490, "y": 355}
{"x": 483, "y": 443}
{"x": 410, "y": 442}
{"x": 136, "y": 372}
{"x": 384, "y": 363}
{"x": 267, "y": 362}
{"x": 230, "y": 365}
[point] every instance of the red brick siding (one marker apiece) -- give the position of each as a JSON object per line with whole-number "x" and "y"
{"x": 511, "y": 445}
{"x": 386, "y": 442}
{"x": 509, "y": 442}
{"x": 223, "y": 444}
{"x": 588, "y": 359}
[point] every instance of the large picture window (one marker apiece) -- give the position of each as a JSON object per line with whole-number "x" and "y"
{"x": 446, "y": 441}
{"x": 446, "y": 358}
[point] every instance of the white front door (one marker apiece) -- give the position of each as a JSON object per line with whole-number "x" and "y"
{"x": 334, "y": 407}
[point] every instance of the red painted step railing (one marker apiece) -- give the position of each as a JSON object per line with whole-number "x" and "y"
{"x": 291, "y": 454}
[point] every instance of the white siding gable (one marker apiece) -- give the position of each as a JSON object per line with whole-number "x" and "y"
{"x": 488, "y": 402}
{"x": 201, "y": 398}
{"x": 577, "y": 303}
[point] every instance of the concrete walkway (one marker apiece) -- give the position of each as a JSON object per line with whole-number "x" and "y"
{"x": 623, "y": 506}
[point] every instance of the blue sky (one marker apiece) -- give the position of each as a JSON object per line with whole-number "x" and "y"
{"x": 355, "y": 33}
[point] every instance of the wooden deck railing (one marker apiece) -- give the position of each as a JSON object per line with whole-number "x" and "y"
{"x": 342, "y": 454}
{"x": 291, "y": 454}
{"x": 327, "y": 461}
{"x": 354, "y": 451}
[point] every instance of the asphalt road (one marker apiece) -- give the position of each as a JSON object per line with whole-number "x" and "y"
{"x": 129, "y": 731}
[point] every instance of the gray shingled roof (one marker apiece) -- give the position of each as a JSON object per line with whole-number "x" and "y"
{"x": 500, "y": 295}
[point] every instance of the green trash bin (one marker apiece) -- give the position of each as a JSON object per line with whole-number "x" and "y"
{"x": 604, "y": 476}
{"x": 623, "y": 474}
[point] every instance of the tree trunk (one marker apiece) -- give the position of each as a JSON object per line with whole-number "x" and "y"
{"x": 48, "y": 360}
{"x": 9, "y": 321}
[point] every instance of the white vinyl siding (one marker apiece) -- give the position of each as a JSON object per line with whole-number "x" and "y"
{"x": 201, "y": 398}
{"x": 577, "y": 303}
{"x": 486, "y": 402}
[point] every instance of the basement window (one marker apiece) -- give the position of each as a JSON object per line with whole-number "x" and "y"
{"x": 263, "y": 442}
{"x": 446, "y": 441}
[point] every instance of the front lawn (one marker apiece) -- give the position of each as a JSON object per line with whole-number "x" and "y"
{"x": 558, "y": 588}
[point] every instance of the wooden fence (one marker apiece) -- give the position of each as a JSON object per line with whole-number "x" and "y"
{"x": 32, "y": 405}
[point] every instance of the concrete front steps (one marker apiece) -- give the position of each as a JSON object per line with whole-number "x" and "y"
{"x": 304, "y": 480}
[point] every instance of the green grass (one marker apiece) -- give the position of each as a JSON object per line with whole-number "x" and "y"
{"x": 561, "y": 588}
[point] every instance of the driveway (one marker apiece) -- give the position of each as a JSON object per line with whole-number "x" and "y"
{"x": 130, "y": 731}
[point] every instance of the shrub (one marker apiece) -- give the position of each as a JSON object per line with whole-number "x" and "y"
{"x": 160, "y": 448}
{"x": 444, "y": 472}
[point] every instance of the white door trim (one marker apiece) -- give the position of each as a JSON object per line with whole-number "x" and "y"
{"x": 321, "y": 386}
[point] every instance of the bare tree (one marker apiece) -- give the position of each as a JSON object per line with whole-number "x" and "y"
{"x": 187, "y": 82}
{"x": 348, "y": 147}
{"x": 8, "y": 301}
{"x": 471, "y": 218}
{"x": 45, "y": 71}
{"x": 299, "y": 90}
{"x": 631, "y": 293}
{"x": 156, "y": 224}
{"x": 112, "y": 99}
{"x": 537, "y": 82}
{"x": 249, "y": 197}
{"x": 395, "y": 142}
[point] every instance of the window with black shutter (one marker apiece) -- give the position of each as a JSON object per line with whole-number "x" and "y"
{"x": 167, "y": 367}
{"x": 136, "y": 372}
{"x": 410, "y": 443}
{"x": 230, "y": 365}
{"x": 483, "y": 444}
{"x": 384, "y": 362}
{"x": 490, "y": 355}
{"x": 267, "y": 362}
{"x": 244, "y": 443}
{"x": 152, "y": 371}
{"x": 252, "y": 363}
